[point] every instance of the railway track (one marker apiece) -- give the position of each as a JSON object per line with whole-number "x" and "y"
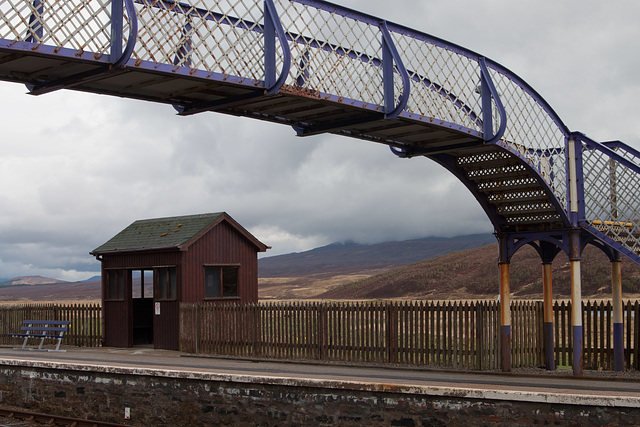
{"x": 15, "y": 418}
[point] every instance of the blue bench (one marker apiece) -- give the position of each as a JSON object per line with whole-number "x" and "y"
{"x": 42, "y": 329}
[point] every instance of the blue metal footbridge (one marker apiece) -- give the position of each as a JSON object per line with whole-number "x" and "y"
{"x": 322, "y": 68}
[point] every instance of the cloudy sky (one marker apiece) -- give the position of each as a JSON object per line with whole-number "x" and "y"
{"x": 77, "y": 168}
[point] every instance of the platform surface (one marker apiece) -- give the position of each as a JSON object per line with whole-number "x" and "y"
{"x": 603, "y": 389}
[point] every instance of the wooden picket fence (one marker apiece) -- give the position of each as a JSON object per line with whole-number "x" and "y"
{"x": 391, "y": 332}
{"x": 461, "y": 335}
{"x": 85, "y": 329}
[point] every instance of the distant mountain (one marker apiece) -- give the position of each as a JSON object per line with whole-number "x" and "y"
{"x": 93, "y": 279}
{"x": 413, "y": 269}
{"x": 354, "y": 258}
{"x": 30, "y": 281}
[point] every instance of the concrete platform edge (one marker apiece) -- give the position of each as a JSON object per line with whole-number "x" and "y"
{"x": 456, "y": 392}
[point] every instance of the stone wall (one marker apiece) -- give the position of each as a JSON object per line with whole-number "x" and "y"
{"x": 185, "y": 399}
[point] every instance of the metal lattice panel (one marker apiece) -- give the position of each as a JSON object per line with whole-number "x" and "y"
{"x": 216, "y": 36}
{"x": 612, "y": 197}
{"x": 627, "y": 153}
{"x": 81, "y": 25}
{"x": 443, "y": 83}
{"x": 533, "y": 133}
{"x": 333, "y": 54}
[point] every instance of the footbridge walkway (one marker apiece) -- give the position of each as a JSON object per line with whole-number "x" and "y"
{"x": 323, "y": 68}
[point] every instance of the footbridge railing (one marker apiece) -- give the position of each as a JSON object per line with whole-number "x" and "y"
{"x": 612, "y": 193}
{"x": 79, "y": 27}
{"x": 323, "y": 50}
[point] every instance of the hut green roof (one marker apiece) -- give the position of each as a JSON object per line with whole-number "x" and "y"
{"x": 167, "y": 233}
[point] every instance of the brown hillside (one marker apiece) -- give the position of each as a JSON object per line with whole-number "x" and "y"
{"x": 474, "y": 274}
{"x": 54, "y": 292}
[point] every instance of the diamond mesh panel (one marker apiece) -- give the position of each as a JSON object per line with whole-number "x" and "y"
{"x": 342, "y": 56}
{"x": 81, "y": 25}
{"x": 333, "y": 54}
{"x": 217, "y": 36}
{"x": 443, "y": 83}
{"x": 627, "y": 154}
{"x": 612, "y": 198}
{"x": 532, "y": 132}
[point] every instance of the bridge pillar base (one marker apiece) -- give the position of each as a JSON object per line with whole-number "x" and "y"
{"x": 576, "y": 318}
{"x": 618, "y": 329}
{"x": 548, "y": 317}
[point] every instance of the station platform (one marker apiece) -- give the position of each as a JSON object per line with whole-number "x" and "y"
{"x": 593, "y": 389}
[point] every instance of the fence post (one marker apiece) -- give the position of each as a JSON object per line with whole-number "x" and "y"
{"x": 256, "y": 336}
{"x": 392, "y": 332}
{"x": 321, "y": 331}
{"x": 480, "y": 351}
{"x": 198, "y": 308}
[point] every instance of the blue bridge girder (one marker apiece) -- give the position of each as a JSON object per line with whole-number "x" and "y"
{"x": 323, "y": 68}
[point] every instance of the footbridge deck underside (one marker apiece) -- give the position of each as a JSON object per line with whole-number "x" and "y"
{"x": 506, "y": 188}
{"x": 310, "y": 112}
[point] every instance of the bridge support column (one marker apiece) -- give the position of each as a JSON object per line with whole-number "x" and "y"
{"x": 505, "y": 317}
{"x": 576, "y": 303}
{"x": 618, "y": 330}
{"x": 505, "y": 305}
{"x": 548, "y": 317}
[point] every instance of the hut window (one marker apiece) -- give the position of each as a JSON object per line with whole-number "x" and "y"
{"x": 167, "y": 283}
{"x": 221, "y": 282}
{"x": 115, "y": 285}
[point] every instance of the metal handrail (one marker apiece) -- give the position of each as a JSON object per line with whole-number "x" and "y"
{"x": 280, "y": 33}
{"x": 133, "y": 35}
{"x": 486, "y": 79}
{"x": 406, "y": 84}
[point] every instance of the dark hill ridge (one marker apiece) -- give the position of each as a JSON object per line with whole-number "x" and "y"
{"x": 353, "y": 258}
{"x": 474, "y": 274}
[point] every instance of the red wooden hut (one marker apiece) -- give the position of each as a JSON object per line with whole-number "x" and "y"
{"x": 153, "y": 265}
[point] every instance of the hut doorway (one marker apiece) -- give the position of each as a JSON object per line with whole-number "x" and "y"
{"x": 142, "y": 307}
